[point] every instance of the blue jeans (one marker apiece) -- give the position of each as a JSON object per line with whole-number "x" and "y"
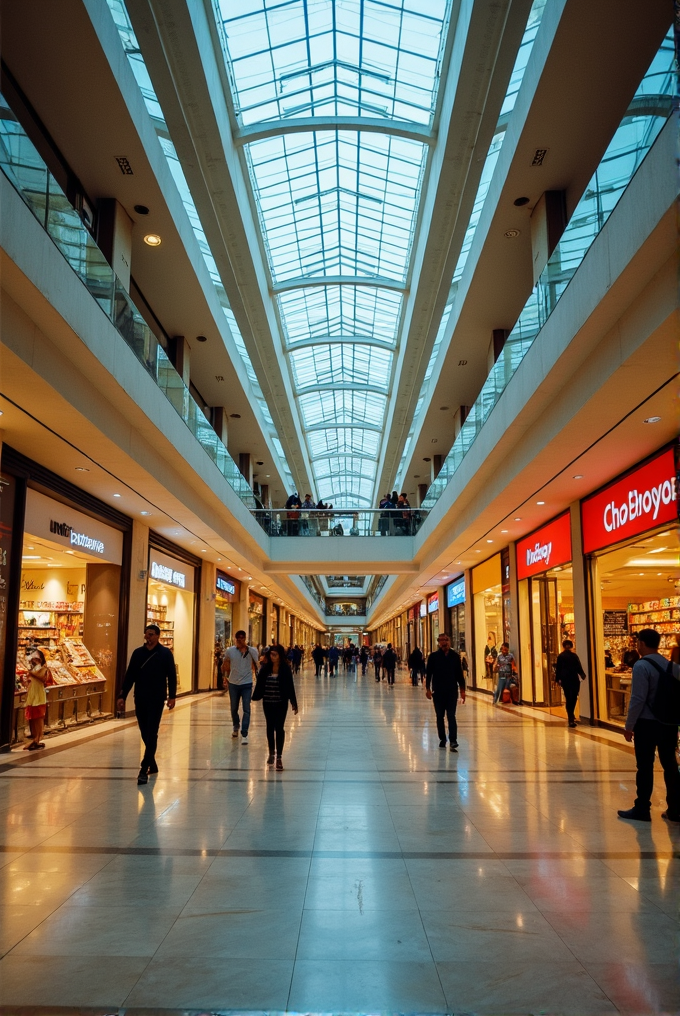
{"x": 238, "y": 692}
{"x": 503, "y": 682}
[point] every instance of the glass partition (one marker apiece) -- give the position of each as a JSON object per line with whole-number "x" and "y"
{"x": 26, "y": 171}
{"x": 632, "y": 141}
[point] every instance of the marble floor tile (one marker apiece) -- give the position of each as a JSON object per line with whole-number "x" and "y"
{"x": 365, "y": 936}
{"x": 73, "y": 980}
{"x": 98, "y": 931}
{"x": 235, "y": 934}
{"x": 204, "y": 982}
{"x": 332, "y": 985}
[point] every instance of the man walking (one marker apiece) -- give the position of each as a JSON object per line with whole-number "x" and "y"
{"x": 239, "y": 665}
{"x": 152, "y": 672}
{"x": 318, "y": 656}
{"x": 333, "y": 654}
{"x": 415, "y": 665}
{"x": 569, "y": 673}
{"x": 443, "y": 678}
{"x": 389, "y": 662}
{"x": 650, "y": 734}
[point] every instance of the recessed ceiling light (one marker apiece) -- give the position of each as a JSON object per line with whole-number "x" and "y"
{"x": 70, "y": 551}
{"x": 503, "y": 530}
{"x": 478, "y": 552}
{"x": 489, "y": 541}
{"x": 540, "y": 502}
{"x": 141, "y": 210}
{"x": 519, "y": 202}
{"x": 444, "y": 409}
{"x": 30, "y": 548}
{"x": 203, "y": 552}
{"x": 652, "y": 419}
{"x": 153, "y": 240}
{"x": 518, "y": 519}
{"x": 82, "y": 469}
{"x": 145, "y": 513}
{"x": 235, "y": 416}
{"x": 201, "y": 338}
{"x": 117, "y": 495}
{"x": 577, "y": 476}
{"x": 641, "y": 574}
{"x": 510, "y": 234}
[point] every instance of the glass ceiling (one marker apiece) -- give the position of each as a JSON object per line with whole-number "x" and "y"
{"x": 337, "y": 208}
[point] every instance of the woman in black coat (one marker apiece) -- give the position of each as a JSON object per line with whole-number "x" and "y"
{"x": 276, "y": 689}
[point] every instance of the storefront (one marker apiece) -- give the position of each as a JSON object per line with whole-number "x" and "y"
{"x": 433, "y": 620}
{"x": 546, "y": 605}
{"x": 274, "y": 624}
{"x": 171, "y": 604}
{"x": 62, "y": 586}
{"x": 488, "y": 621}
{"x": 630, "y": 541}
{"x": 226, "y": 594}
{"x": 255, "y": 619}
{"x": 423, "y": 627}
{"x": 455, "y": 605}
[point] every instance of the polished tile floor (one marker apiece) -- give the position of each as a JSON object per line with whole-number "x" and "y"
{"x": 376, "y": 873}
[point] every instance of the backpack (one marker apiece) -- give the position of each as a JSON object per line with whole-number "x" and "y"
{"x": 666, "y": 703}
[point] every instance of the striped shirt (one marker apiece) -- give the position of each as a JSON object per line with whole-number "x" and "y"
{"x": 272, "y": 689}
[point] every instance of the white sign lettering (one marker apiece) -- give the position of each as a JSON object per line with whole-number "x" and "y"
{"x": 165, "y": 574}
{"x": 541, "y": 552}
{"x": 638, "y": 504}
{"x": 88, "y": 542}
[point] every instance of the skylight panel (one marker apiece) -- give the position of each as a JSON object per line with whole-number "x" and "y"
{"x": 325, "y": 311}
{"x": 378, "y": 58}
{"x": 337, "y": 203}
{"x": 341, "y": 364}
{"x": 357, "y": 408}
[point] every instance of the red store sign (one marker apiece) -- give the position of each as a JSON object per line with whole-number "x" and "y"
{"x": 546, "y": 548}
{"x": 643, "y": 499}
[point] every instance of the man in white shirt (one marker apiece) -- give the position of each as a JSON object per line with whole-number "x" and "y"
{"x": 651, "y": 734}
{"x": 239, "y": 665}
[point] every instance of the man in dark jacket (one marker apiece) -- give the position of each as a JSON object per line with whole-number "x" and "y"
{"x": 569, "y": 673}
{"x": 443, "y": 678}
{"x": 389, "y": 662}
{"x": 152, "y": 672}
{"x": 318, "y": 657}
{"x": 415, "y": 665}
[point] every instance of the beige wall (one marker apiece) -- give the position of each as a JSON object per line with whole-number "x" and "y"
{"x": 206, "y": 626}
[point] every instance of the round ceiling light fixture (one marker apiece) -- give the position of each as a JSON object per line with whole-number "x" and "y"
{"x": 519, "y": 202}
{"x": 141, "y": 210}
{"x": 652, "y": 419}
{"x": 152, "y": 240}
{"x": 82, "y": 469}
{"x": 577, "y": 476}
{"x": 510, "y": 234}
{"x": 201, "y": 338}
{"x": 235, "y": 416}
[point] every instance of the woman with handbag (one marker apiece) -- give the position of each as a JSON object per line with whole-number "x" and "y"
{"x": 275, "y": 688}
{"x": 505, "y": 667}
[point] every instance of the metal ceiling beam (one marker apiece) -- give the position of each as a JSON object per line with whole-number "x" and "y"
{"x": 328, "y": 425}
{"x": 304, "y": 282}
{"x": 309, "y": 124}
{"x": 342, "y": 386}
{"x": 336, "y": 340}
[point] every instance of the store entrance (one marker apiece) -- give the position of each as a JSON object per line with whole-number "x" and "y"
{"x": 551, "y": 601}
{"x": 68, "y": 610}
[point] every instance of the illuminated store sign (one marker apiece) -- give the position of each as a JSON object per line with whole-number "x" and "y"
{"x": 61, "y": 524}
{"x": 225, "y": 585}
{"x": 162, "y": 573}
{"x": 645, "y": 498}
{"x": 423, "y": 610}
{"x": 547, "y": 548}
{"x": 433, "y": 603}
{"x": 455, "y": 593}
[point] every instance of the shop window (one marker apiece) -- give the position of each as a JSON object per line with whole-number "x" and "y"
{"x": 171, "y": 605}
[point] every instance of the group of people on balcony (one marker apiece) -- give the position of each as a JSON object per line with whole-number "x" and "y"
{"x": 305, "y": 517}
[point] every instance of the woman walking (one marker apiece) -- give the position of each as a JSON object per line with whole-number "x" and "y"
{"x": 276, "y": 689}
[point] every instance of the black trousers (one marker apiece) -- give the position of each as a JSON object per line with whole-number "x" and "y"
{"x": 571, "y": 691}
{"x": 649, "y": 737}
{"x": 148, "y": 715}
{"x": 445, "y": 708}
{"x": 390, "y": 674}
{"x": 275, "y": 716}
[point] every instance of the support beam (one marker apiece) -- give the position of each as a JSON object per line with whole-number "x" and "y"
{"x": 343, "y": 386}
{"x": 305, "y": 281}
{"x": 303, "y": 125}
{"x": 337, "y": 340}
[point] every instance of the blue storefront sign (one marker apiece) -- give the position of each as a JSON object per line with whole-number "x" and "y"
{"x": 455, "y": 593}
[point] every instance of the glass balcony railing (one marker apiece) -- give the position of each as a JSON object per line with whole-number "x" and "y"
{"x": 626, "y": 152}
{"x": 340, "y": 522}
{"x": 26, "y": 171}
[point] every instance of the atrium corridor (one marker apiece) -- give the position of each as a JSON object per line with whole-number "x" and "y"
{"x": 377, "y": 873}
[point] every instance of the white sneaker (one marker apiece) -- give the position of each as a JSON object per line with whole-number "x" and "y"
{"x": 244, "y": 740}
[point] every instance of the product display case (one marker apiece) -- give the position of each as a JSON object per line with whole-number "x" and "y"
{"x": 157, "y": 614}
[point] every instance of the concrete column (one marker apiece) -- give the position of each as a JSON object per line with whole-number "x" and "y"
{"x": 437, "y": 461}
{"x": 548, "y": 222}
{"x": 459, "y": 418}
{"x": 514, "y": 602}
{"x": 245, "y": 465}
{"x": 422, "y": 493}
{"x": 180, "y": 356}
{"x": 206, "y": 626}
{"x": 583, "y": 646}
{"x": 240, "y": 612}
{"x": 443, "y": 611}
{"x": 114, "y": 238}
{"x": 219, "y": 422}
{"x": 139, "y": 564}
